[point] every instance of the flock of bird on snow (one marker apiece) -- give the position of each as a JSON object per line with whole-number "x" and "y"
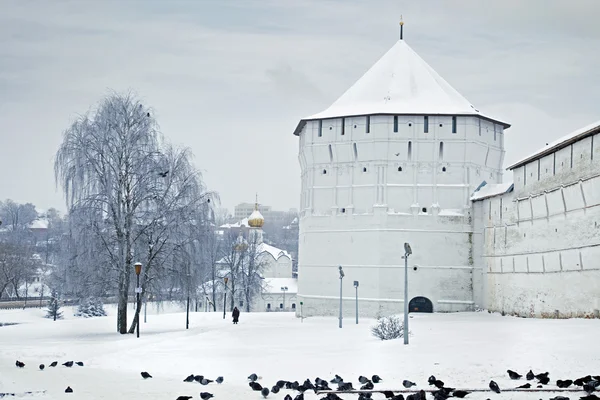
{"x": 588, "y": 383}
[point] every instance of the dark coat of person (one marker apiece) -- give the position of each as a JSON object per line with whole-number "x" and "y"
{"x": 236, "y": 315}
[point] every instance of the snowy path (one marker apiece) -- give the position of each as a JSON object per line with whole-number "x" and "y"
{"x": 464, "y": 350}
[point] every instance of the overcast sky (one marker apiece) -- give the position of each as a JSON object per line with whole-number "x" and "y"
{"x": 231, "y": 78}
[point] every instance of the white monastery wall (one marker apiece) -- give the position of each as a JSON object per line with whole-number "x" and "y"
{"x": 541, "y": 243}
{"x": 370, "y": 249}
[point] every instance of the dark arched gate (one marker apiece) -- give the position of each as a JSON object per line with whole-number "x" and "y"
{"x": 420, "y": 304}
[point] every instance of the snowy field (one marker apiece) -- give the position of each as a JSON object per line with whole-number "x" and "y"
{"x": 463, "y": 350}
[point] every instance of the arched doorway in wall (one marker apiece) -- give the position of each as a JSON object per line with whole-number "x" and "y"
{"x": 420, "y": 304}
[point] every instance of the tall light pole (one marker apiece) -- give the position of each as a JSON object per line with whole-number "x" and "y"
{"x": 138, "y": 291}
{"x": 407, "y": 252}
{"x": 356, "y": 287}
{"x": 225, "y": 295}
{"x": 284, "y": 289}
{"x": 341, "y": 278}
{"x": 187, "y": 311}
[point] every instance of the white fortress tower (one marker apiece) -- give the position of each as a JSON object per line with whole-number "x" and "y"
{"x": 395, "y": 159}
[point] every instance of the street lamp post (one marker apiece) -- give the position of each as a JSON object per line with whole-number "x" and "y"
{"x": 341, "y": 278}
{"x": 284, "y": 289}
{"x": 356, "y": 287}
{"x": 407, "y": 252}
{"x": 187, "y": 311}
{"x": 138, "y": 291}
{"x": 225, "y": 295}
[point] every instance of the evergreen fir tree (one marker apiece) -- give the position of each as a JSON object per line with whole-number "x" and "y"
{"x": 90, "y": 307}
{"x": 53, "y": 310}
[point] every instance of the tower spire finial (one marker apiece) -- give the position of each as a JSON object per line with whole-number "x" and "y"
{"x": 256, "y": 202}
{"x": 401, "y": 28}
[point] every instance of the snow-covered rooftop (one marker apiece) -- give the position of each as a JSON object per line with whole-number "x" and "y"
{"x": 272, "y": 250}
{"x": 401, "y": 82}
{"x": 491, "y": 190}
{"x": 274, "y": 285}
{"x": 243, "y": 223}
{"x": 41, "y": 223}
{"x": 265, "y": 248}
{"x": 560, "y": 143}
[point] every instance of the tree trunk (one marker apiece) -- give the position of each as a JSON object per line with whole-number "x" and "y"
{"x": 248, "y": 300}
{"x": 122, "y": 308}
{"x": 136, "y": 317}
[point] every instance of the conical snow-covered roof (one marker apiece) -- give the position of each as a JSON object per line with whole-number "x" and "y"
{"x": 399, "y": 83}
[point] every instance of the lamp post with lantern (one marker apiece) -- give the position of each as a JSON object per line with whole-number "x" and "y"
{"x": 225, "y": 295}
{"x": 138, "y": 291}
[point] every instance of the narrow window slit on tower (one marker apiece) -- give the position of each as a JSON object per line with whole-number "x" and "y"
{"x": 441, "y": 151}
{"x": 443, "y": 169}
{"x": 409, "y": 150}
{"x": 395, "y": 123}
{"x": 453, "y": 124}
{"x": 355, "y": 151}
{"x": 320, "y": 127}
{"x": 364, "y": 169}
{"x": 324, "y": 171}
{"x": 399, "y": 169}
{"x": 330, "y": 154}
{"x": 343, "y": 126}
{"x": 368, "y": 124}
{"x": 426, "y": 124}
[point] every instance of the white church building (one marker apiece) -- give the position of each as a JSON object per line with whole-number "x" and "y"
{"x": 278, "y": 286}
{"x": 401, "y": 157}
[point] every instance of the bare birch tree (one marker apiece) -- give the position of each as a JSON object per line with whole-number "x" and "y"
{"x": 111, "y": 165}
{"x": 251, "y": 271}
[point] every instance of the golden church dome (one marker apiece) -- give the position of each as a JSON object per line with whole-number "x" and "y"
{"x": 256, "y": 220}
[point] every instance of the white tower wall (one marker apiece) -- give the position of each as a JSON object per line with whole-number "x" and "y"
{"x": 395, "y": 159}
{"x": 365, "y": 193}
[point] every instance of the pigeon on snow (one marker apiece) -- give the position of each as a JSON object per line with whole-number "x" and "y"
{"x": 513, "y": 375}
{"x": 530, "y": 375}
{"x": 494, "y": 387}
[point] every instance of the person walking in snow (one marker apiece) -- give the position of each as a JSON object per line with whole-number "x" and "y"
{"x": 236, "y": 315}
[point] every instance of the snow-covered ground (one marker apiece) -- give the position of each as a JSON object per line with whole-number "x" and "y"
{"x": 462, "y": 349}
